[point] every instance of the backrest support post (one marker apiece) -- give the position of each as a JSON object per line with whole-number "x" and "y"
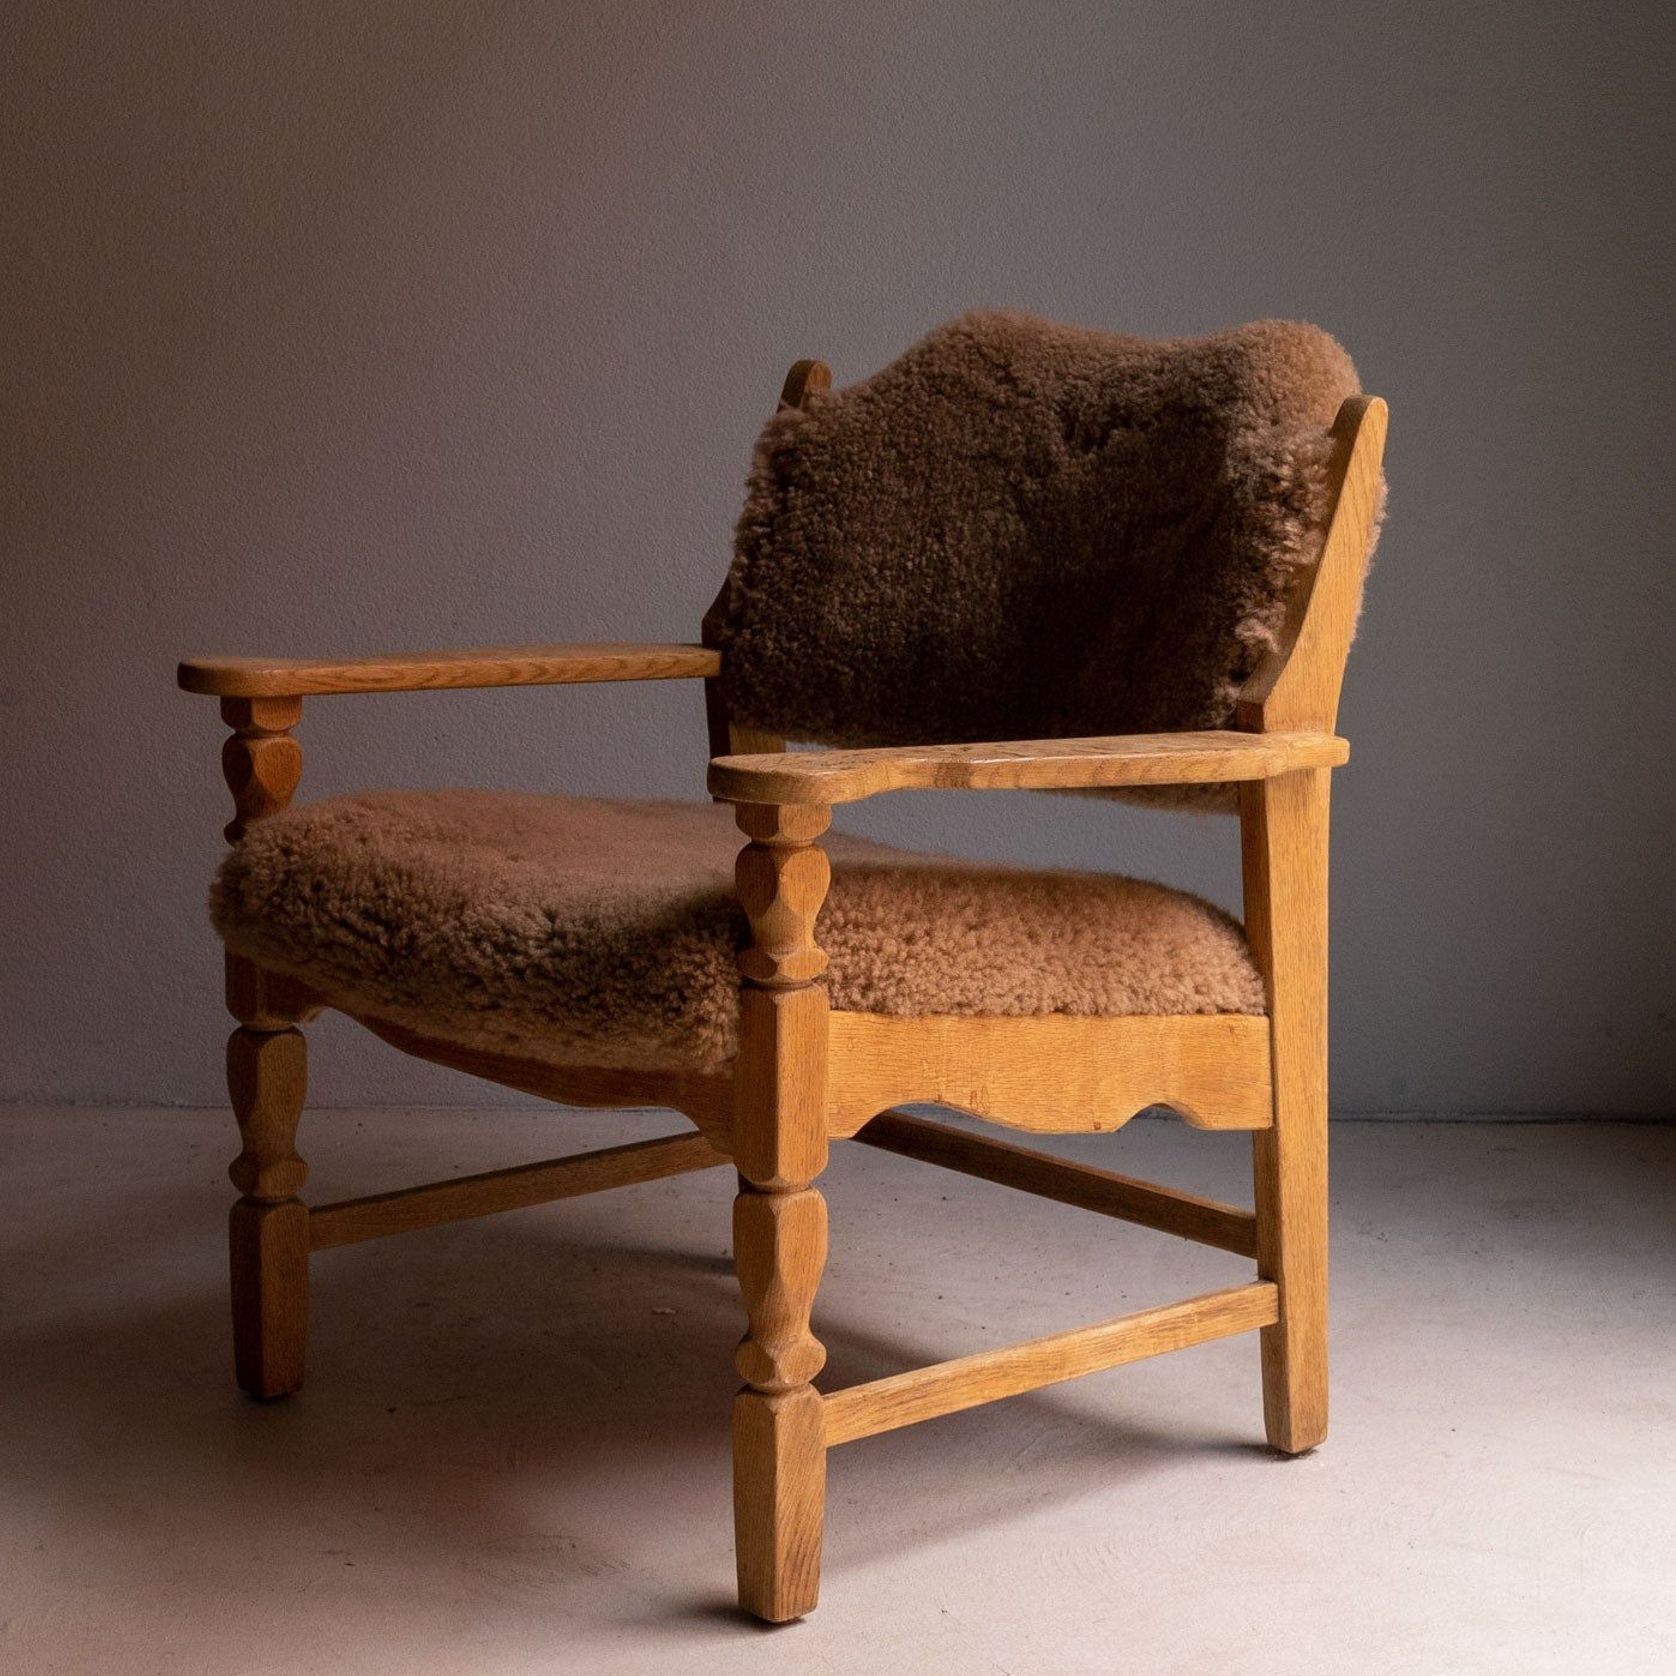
{"x": 1296, "y": 687}
{"x": 727, "y": 738}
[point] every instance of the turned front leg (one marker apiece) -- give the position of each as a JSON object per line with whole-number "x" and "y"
{"x": 779, "y": 1219}
{"x": 267, "y": 1066}
{"x": 268, "y": 1229}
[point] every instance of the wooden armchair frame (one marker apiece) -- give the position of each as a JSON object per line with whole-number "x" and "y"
{"x": 806, "y": 1074}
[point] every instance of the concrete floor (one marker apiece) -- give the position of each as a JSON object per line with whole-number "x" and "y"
{"x": 511, "y": 1456}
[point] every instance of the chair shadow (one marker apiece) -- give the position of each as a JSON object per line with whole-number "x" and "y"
{"x": 481, "y": 1382}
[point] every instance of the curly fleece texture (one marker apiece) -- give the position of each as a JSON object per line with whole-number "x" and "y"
{"x": 604, "y": 933}
{"x": 1022, "y": 530}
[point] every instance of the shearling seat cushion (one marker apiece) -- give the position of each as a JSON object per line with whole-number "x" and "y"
{"x": 1022, "y": 530}
{"x": 604, "y": 933}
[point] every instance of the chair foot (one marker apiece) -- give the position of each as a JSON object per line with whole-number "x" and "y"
{"x": 1294, "y": 1396}
{"x": 1294, "y": 1356}
{"x": 268, "y": 1248}
{"x": 779, "y": 1501}
{"x": 1292, "y": 1242}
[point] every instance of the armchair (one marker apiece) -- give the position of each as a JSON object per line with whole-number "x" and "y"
{"x": 618, "y": 954}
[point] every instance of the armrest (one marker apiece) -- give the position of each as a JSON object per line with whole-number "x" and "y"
{"x": 491, "y": 666}
{"x": 1135, "y": 759}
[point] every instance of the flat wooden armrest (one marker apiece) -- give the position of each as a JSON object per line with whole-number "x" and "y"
{"x": 489, "y": 666}
{"x": 1135, "y": 759}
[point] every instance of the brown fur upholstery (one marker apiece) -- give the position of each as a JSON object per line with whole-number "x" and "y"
{"x": 1021, "y": 530}
{"x": 604, "y": 933}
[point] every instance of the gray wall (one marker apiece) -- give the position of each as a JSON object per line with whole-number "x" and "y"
{"x": 417, "y": 322}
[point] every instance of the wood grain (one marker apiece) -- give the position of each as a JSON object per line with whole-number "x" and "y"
{"x": 267, "y": 1075}
{"x": 730, "y": 738}
{"x": 1284, "y": 841}
{"x": 260, "y": 761}
{"x": 706, "y": 1099}
{"x": 262, "y": 999}
{"x": 779, "y": 1218}
{"x": 1297, "y": 685}
{"x": 348, "y": 1221}
{"x": 904, "y": 1399}
{"x": 1081, "y": 1185}
{"x": 1053, "y": 1074}
{"x": 1137, "y": 759}
{"x": 805, "y": 379}
{"x": 727, "y": 736}
{"x": 779, "y": 1501}
{"x": 779, "y": 1243}
{"x": 268, "y": 1259}
{"x": 267, "y": 1081}
{"x": 482, "y": 666}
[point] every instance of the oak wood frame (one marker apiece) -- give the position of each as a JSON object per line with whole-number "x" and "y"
{"x": 806, "y": 1074}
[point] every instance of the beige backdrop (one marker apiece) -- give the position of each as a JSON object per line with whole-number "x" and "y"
{"x": 411, "y": 322}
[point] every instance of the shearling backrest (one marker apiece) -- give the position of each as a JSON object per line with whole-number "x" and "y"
{"x": 1024, "y": 530}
